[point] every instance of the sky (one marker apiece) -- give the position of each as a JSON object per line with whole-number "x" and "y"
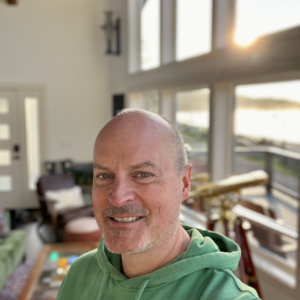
{"x": 256, "y": 18}
{"x": 193, "y": 30}
{"x": 150, "y": 35}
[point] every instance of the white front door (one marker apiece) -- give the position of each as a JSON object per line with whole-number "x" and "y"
{"x": 9, "y": 158}
{"x": 19, "y": 148}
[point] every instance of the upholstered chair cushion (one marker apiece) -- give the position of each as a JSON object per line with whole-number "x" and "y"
{"x": 66, "y": 198}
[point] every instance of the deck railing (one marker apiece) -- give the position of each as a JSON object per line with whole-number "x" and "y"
{"x": 282, "y": 166}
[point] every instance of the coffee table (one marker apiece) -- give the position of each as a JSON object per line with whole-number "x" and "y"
{"x": 51, "y": 267}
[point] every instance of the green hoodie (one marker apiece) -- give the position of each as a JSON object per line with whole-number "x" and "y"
{"x": 203, "y": 272}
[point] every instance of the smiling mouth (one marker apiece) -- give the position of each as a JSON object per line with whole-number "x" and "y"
{"x": 126, "y": 220}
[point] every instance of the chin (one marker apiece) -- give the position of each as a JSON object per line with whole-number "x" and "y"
{"x": 124, "y": 245}
{"x": 127, "y": 250}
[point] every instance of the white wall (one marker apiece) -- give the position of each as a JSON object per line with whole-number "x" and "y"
{"x": 59, "y": 45}
{"x": 119, "y": 64}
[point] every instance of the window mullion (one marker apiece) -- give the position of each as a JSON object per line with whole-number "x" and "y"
{"x": 134, "y": 36}
{"x": 168, "y": 31}
{"x": 223, "y": 23}
{"x": 221, "y": 130}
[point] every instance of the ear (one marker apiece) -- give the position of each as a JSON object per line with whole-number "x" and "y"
{"x": 186, "y": 182}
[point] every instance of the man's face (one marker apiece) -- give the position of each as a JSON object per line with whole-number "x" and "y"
{"x": 136, "y": 190}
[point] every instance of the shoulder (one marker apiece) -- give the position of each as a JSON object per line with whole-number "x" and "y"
{"x": 224, "y": 282}
{"x": 86, "y": 265}
{"x": 85, "y": 260}
{"x": 83, "y": 272}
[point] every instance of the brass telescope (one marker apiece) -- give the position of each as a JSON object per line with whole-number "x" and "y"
{"x": 229, "y": 185}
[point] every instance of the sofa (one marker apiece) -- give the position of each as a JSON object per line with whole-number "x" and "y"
{"x": 12, "y": 251}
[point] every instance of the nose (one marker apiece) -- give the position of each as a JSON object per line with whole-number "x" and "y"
{"x": 122, "y": 191}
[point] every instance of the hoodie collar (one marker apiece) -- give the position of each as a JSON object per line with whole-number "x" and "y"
{"x": 206, "y": 250}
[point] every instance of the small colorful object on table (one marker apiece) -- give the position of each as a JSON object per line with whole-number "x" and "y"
{"x": 72, "y": 258}
{"x": 55, "y": 269}
{"x": 62, "y": 262}
{"x": 53, "y": 256}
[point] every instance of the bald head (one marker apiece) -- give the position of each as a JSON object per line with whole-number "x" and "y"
{"x": 132, "y": 122}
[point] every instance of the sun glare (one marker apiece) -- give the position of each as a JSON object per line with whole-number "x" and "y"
{"x": 257, "y": 18}
{"x": 245, "y": 40}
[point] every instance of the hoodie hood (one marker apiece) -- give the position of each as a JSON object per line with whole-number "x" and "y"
{"x": 207, "y": 249}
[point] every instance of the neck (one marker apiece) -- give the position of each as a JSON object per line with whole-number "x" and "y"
{"x": 159, "y": 255}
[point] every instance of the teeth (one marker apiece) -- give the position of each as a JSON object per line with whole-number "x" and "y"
{"x": 126, "y": 220}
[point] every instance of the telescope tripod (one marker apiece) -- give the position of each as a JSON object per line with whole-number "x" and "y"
{"x": 224, "y": 195}
{"x": 246, "y": 267}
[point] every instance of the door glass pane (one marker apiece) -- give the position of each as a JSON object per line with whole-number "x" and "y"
{"x": 255, "y": 18}
{"x": 4, "y": 132}
{"x": 5, "y": 184}
{"x": 5, "y": 158}
{"x": 192, "y": 118}
{"x": 3, "y": 106}
{"x": 32, "y": 141}
{"x": 193, "y": 28}
{"x": 150, "y": 34}
{"x": 267, "y": 137}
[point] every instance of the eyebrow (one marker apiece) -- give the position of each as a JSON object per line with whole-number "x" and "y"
{"x": 144, "y": 164}
{"x": 98, "y": 166}
{"x": 136, "y": 166}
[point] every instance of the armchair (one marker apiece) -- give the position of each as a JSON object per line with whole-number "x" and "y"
{"x": 49, "y": 211}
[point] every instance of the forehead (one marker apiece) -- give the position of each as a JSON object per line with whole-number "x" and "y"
{"x": 134, "y": 141}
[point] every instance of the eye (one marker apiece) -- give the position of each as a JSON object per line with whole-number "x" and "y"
{"x": 104, "y": 176}
{"x": 144, "y": 175}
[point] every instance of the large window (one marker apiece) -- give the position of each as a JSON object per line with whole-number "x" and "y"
{"x": 255, "y": 18}
{"x": 267, "y": 122}
{"x": 193, "y": 28}
{"x": 150, "y": 34}
{"x": 192, "y": 118}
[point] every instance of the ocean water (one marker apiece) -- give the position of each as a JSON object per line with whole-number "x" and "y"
{"x": 277, "y": 125}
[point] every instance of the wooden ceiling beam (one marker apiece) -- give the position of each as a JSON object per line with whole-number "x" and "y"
{"x": 12, "y": 2}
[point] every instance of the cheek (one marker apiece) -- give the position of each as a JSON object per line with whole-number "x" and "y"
{"x": 163, "y": 206}
{"x": 168, "y": 206}
{"x": 100, "y": 201}
{"x": 100, "y": 193}
{"x": 165, "y": 195}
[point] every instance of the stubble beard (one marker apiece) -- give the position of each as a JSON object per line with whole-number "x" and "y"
{"x": 111, "y": 240}
{"x": 114, "y": 236}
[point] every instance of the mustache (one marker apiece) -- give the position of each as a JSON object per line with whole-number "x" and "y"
{"x": 126, "y": 209}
